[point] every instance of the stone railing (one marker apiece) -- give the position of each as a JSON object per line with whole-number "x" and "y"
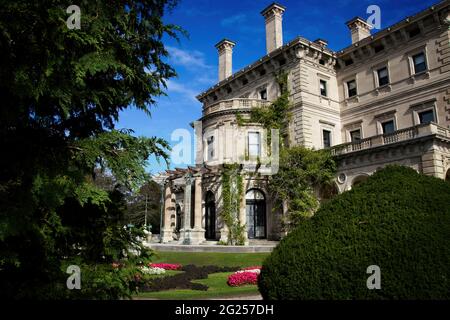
{"x": 397, "y": 136}
{"x": 234, "y": 104}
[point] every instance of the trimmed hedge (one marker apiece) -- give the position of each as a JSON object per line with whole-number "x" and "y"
{"x": 396, "y": 219}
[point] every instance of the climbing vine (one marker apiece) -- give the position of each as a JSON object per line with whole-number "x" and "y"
{"x": 232, "y": 193}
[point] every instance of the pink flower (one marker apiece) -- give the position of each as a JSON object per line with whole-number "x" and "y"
{"x": 242, "y": 278}
{"x": 166, "y": 266}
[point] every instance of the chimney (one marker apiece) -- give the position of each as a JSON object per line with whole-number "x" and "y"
{"x": 359, "y": 29}
{"x": 273, "y": 15}
{"x": 225, "y": 48}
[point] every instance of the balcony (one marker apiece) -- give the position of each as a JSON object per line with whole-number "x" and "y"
{"x": 410, "y": 133}
{"x": 234, "y": 104}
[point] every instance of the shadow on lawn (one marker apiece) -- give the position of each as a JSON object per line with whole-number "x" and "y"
{"x": 183, "y": 280}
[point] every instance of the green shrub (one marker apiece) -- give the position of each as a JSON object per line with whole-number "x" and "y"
{"x": 397, "y": 219}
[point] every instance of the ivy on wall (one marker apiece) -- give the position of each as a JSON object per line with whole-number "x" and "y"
{"x": 232, "y": 195}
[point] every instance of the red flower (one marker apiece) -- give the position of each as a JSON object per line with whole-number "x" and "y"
{"x": 165, "y": 266}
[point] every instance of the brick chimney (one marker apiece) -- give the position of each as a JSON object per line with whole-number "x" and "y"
{"x": 359, "y": 29}
{"x": 273, "y": 15}
{"x": 225, "y": 49}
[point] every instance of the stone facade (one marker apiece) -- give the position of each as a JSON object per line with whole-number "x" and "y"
{"x": 383, "y": 100}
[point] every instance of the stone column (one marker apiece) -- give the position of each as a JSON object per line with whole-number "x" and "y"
{"x": 167, "y": 232}
{"x": 243, "y": 215}
{"x": 185, "y": 233}
{"x": 198, "y": 233}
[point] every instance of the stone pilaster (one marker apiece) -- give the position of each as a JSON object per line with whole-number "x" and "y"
{"x": 185, "y": 232}
{"x": 198, "y": 233}
{"x": 167, "y": 231}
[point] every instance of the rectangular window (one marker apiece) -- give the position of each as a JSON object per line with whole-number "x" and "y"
{"x": 419, "y": 62}
{"x": 383, "y": 76}
{"x": 388, "y": 126}
{"x": 326, "y": 135}
{"x": 351, "y": 86}
{"x": 426, "y": 116}
{"x": 323, "y": 88}
{"x": 254, "y": 143}
{"x": 210, "y": 142}
{"x": 263, "y": 94}
{"x": 355, "y": 135}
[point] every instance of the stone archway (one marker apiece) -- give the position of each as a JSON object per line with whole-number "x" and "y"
{"x": 359, "y": 179}
{"x": 256, "y": 214}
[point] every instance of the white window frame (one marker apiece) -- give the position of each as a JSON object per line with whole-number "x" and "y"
{"x": 410, "y": 54}
{"x": 424, "y": 106}
{"x": 251, "y": 156}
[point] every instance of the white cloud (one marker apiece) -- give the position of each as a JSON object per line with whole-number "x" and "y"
{"x": 189, "y": 59}
{"x": 233, "y": 20}
{"x": 186, "y": 92}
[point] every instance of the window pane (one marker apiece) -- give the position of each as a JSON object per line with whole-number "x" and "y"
{"x": 263, "y": 94}
{"x": 382, "y": 73}
{"x": 351, "y": 88}
{"x": 355, "y": 135}
{"x": 253, "y": 144}
{"x": 426, "y": 116}
{"x": 326, "y": 138}
{"x": 419, "y": 63}
{"x": 323, "y": 88}
{"x": 388, "y": 126}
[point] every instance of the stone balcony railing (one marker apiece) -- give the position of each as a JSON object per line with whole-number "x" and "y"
{"x": 397, "y": 136}
{"x": 231, "y": 104}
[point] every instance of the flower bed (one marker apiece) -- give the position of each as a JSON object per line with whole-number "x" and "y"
{"x": 166, "y": 266}
{"x": 245, "y": 276}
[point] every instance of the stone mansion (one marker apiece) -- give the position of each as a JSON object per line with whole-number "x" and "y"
{"x": 385, "y": 99}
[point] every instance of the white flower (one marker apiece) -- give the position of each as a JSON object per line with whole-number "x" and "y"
{"x": 258, "y": 271}
{"x": 152, "y": 270}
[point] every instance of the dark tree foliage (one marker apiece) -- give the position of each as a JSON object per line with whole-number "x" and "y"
{"x": 397, "y": 219}
{"x": 61, "y": 91}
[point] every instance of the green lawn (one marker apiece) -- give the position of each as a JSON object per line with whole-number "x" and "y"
{"x": 212, "y": 258}
{"x": 218, "y": 287}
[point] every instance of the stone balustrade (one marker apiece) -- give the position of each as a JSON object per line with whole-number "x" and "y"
{"x": 231, "y": 104}
{"x": 397, "y": 136}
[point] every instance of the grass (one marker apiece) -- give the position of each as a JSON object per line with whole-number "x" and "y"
{"x": 221, "y": 259}
{"x": 218, "y": 288}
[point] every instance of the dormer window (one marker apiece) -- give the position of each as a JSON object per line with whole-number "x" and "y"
{"x": 322, "y": 62}
{"x": 244, "y": 82}
{"x": 282, "y": 62}
{"x": 215, "y": 98}
{"x": 229, "y": 90}
{"x": 262, "y": 72}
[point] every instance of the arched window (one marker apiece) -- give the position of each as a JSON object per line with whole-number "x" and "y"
{"x": 256, "y": 214}
{"x": 447, "y": 176}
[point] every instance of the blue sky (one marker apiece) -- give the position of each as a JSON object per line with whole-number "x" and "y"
{"x": 208, "y": 21}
